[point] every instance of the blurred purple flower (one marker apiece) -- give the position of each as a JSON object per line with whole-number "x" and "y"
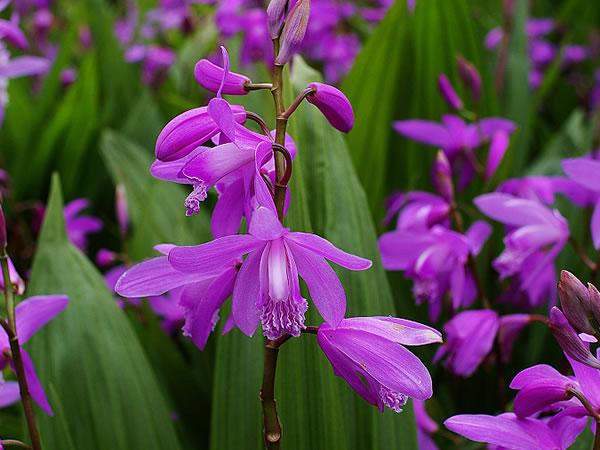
{"x": 79, "y": 226}
{"x": 426, "y": 426}
{"x": 536, "y": 235}
{"x": 417, "y": 210}
{"x": 31, "y": 315}
{"x": 369, "y": 353}
{"x": 470, "y": 336}
{"x": 436, "y": 259}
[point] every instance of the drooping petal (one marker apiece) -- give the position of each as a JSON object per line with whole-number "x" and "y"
{"x": 477, "y": 234}
{"x": 246, "y": 294}
{"x": 35, "y": 387}
{"x": 204, "y": 257}
{"x": 534, "y": 373}
{"x": 388, "y": 363}
{"x": 157, "y": 276}
{"x": 498, "y": 147}
{"x": 426, "y": 132}
{"x": 402, "y": 331}
{"x": 228, "y": 211}
{"x": 220, "y": 111}
{"x": 35, "y": 312}
{"x": 171, "y": 170}
{"x": 209, "y": 300}
{"x": 326, "y": 249}
{"x": 325, "y": 288}
{"x": 24, "y": 66}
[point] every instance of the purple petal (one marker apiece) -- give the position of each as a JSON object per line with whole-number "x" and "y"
{"x": 333, "y": 104}
{"x": 156, "y": 276}
{"x": 326, "y": 249}
{"x": 400, "y": 249}
{"x": 9, "y": 393}
{"x": 210, "y": 76}
{"x": 213, "y": 164}
{"x": 246, "y": 294}
{"x": 534, "y": 373}
{"x": 402, "y": 331}
{"x": 325, "y": 288}
{"x": 584, "y": 171}
{"x": 209, "y": 300}
{"x": 24, "y": 66}
{"x": 595, "y": 225}
{"x": 221, "y": 113}
{"x": 512, "y": 210}
{"x": 510, "y": 327}
{"x": 540, "y": 394}
{"x": 228, "y": 210}
{"x": 171, "y": 170}
{"x": 426, "y": 132}
{"x": 35, "y": 312}
{"x": 13, "y": 34}
{"x": 477, "y": 234}
{"x": 203, "y": 258}
{"x": 33, "y": 383}
{"x": 265, "y": 225}
{"x": 490, "y": 126}
{"x": 498, "y": 147}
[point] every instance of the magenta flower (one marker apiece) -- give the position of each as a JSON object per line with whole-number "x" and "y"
{"x": 267, "y": 288}
{"x": 436, "y": 260}
{"x": 535, "y": 237}
{"x": 369, "y": 353}
{"x": 195, "y": 296}
{"x": 31, "y": 315}
{"x": 470, "y": 336}
{"x": 448, "y": 93}
{"x": 333, "y": 104}
{"x": 79, "y": 226}
{"x": 426, "y": 426}
{"x": 507, "y": 431}
{"x": 417, "y": 210}
{"x": 459, "y": 140}
{"x": 586, "y": 172}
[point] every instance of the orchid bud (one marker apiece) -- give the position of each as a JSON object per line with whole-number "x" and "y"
{"x": 188, "y": 131}
{"x": 3, "y": 240}
{"x": 276, "y": 13}
{"x": 594, "y": 302}
{"x": 210, "y": 76}
{"x": 293, "y": 31}
{"x": 498, "y": 147}
{"x": 333, "y": 104}
{"x": 449, "y": 94}
{"x": 574, "y": 299}
{"x": 470, "y": 77}
{"x": 105, "y": 257}
{"x": 442, "y": 177}
{"x": 569, "y": 341}
{"x": 122, "y": 209}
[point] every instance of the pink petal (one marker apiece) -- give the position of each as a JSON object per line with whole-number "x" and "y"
{"x": 33, "y": 383}
{"x": 221, "y": 113}
{"x": 246, "y": 293}
{"x": 35, "y": 312}
{"x": 584, "y": 171}
{"x": 265, "y": 225}
{"x": 426, "y": 132}
{"x": 326, "y": 249}
{"x": 213, "y": 164}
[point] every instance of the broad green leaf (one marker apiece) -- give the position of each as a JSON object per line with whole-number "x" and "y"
{"x": 156, "y": 207}
{"x": 395, "y": 78}
{"x": 89, "y": 356}
{"x": 317, "y": 410}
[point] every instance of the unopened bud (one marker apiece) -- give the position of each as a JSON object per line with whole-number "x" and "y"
{"x": 122, "y": 209}
{"x": 334, "y": 105}
{"x": 574, "y": 300}
{"x": 449, "y": 94}
{"x": 569, "y": 341}
{"x": 293, "y": 31}
{"x": 210, "y": 76}
{"x": 105, "y": 257}
{"x": 470, "y": 77}
{"x": 442, "y": 177}
{"x": 594, "y": 302}
{"x": 276, "y": 15}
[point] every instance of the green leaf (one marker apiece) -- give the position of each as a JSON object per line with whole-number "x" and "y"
{"x": 156, "y": 207}
{"x": 395, "y": 78}
{"x": 317, "y": 410}
{"x": 89, "y": 356}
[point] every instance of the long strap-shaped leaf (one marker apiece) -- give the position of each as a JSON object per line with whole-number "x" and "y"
{"x": 90, "y": 356}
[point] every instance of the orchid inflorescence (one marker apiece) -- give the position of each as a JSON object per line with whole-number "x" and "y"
{"x": 213, "y": 146}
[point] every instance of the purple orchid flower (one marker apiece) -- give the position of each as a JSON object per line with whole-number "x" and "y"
{"x": 17, "y": 282}
{"x": 32, "y": 314}
{"x": 470, "y": 336}
{"x": 267, "y": 288}
{"x": 532, "y": 228}
{"x": 509, "y": 432}
{"x": 436, "y": 260}
{"x": 459, "y": 140}
{"x": 417, "y": 210}
{"x": 586, "y": 172}
{"x": 79, "y": 226}
{"x": 426, "y": 426}
{"x": 369, "y": 353}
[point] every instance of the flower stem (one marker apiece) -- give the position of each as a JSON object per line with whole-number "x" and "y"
{"x": 15, "y": 349}
{"x": 267, "y": 397}
{"x": 280, "y": 126}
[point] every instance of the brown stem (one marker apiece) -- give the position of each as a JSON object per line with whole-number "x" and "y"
{"x": 584, "y": 401}
{"x": 17, "y": 359}
{"x": 280, "y": 126}
{"x": 267, "y": 397}
{"x": 258, "y": 86}
{"x": 297, "y": 101}
{"x": 582, "y": 255}
{"x": 261, "y": 123}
